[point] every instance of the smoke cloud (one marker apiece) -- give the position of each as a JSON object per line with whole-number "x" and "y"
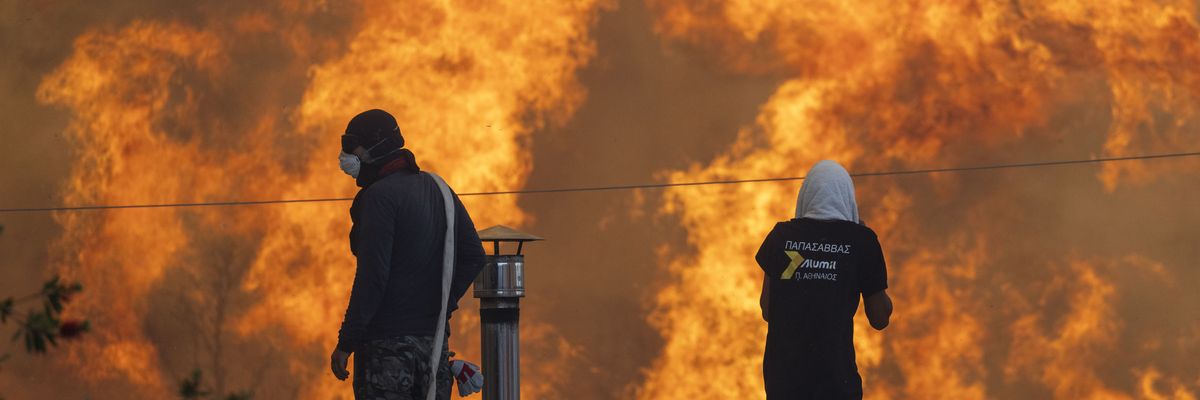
{"x": 1065, "y": 282}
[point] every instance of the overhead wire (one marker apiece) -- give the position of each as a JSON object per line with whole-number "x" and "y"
{"x": 1038, "y": 164}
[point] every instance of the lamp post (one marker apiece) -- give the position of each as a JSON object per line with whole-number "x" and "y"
{"x": 499, "y": 288}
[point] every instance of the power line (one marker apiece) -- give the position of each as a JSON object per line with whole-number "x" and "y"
{"x": 624, "y": 187}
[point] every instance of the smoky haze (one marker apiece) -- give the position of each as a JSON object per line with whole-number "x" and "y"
{"x": 190, "y": 330}
{"x": 986, "y": 251}
{"x": 650, "y": 106}
{"x": 1009, "y": 284}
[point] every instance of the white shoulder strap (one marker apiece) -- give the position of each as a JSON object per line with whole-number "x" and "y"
{"x": 435, "y": 353}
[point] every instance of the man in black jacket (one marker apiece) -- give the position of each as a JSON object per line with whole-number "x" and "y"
{"x": 398, "y": 237}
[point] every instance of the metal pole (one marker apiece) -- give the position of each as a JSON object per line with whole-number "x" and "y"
{"x": 501, "y": 348}
{"x": 499, "y": 288}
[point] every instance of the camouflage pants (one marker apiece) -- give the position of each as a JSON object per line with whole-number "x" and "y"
{"x": 398, "y": 369}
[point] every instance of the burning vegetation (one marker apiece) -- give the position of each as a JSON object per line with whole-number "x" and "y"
{"x": 1063, "y": 282}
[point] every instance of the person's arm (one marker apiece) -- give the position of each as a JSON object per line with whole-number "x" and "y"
{"x": 873, "y": 285}
{"x": 763, "y": 299}
{"x": 468, "y": 254}
{"x": 764, "y": 258}
{"x": 371, "y": 240}
{"x": 879, "y": 309}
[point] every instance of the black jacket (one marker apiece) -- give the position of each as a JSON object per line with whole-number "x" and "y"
{"x": 398, "y": 237}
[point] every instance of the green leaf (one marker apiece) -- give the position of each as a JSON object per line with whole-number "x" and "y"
{"x": 52, "y": 291}
{"x": 38, "y": 329}
{"x": 33, "y": 345}
{"x": 55, "y": 294}
{"x": 190, "y": 387}
{"x": 6, "y": 309}
{"x": 50, "y": 284}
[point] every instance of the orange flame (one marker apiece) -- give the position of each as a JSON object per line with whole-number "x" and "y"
{"x": 892, "y": 85}
{"x": 249, "y": 106}
{"x": 469, "y": 83}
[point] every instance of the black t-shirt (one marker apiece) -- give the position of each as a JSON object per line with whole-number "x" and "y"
{"x": 816, "y": 271}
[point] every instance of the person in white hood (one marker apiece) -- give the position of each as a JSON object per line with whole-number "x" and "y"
{"x": 816, "y": 267}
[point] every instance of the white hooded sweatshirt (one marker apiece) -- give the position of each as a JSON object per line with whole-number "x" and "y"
{"x": 827, "y": 194}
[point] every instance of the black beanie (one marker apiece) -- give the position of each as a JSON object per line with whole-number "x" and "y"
{"x": 373, "y": 128}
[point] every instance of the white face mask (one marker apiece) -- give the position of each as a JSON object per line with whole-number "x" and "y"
{"x": 350, "y": 164}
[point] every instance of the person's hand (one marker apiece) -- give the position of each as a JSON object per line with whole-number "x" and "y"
{"x": 337, "y": 364}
